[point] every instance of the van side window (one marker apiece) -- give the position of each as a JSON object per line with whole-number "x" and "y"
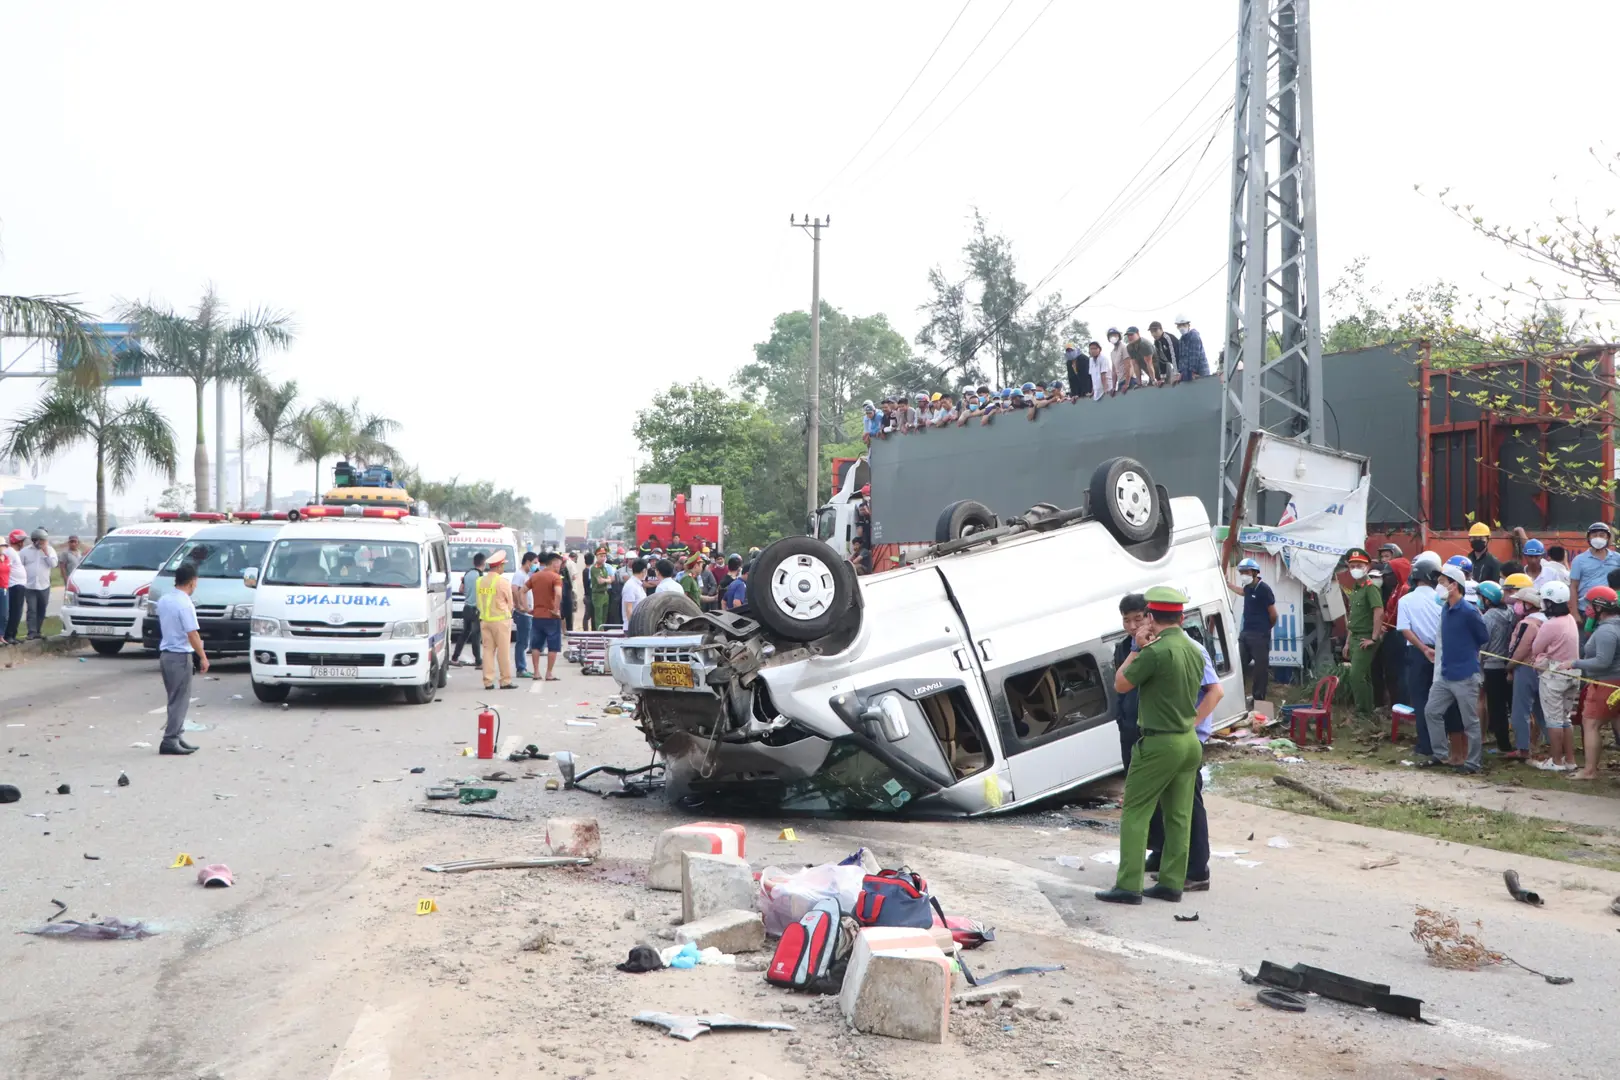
{"x": 1215, "y": 643}
{"x": 950, "y": 714}
{"x": 1055, "y": 699}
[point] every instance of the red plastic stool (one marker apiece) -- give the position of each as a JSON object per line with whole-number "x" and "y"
{"x": 1320, "y": 710}
{"x": 1397, "y": 713}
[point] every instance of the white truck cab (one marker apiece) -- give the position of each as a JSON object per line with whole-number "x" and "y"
{"x": 469, "y": 538}
{"x": 352, "y": 596}
{"x": 104, "y": 599}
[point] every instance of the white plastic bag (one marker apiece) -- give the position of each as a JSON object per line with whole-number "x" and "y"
{"x": 786, "y": 898}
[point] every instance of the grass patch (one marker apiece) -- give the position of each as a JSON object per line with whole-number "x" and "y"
{"x": 1474, "y": 826}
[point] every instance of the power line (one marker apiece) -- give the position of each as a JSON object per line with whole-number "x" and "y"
{"x": 982, "y": 78}
{"x": 897, "y": 103}
{"x": 943, "y": 86}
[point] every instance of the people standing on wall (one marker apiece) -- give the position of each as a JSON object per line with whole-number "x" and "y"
{"x": 1191, "y": 361}
{"x": 1164, "y": 354}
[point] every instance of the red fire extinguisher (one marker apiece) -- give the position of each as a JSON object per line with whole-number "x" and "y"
{"x": 489, "y": 729}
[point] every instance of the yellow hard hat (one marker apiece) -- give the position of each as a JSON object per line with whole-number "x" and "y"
{"x": 1479, "y": 528}
{"x": 1517, "y": 581}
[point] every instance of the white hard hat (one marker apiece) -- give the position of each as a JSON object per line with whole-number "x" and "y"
{"x": 1182, "y": 320}
{"x": 1455, "y": 574}
{"x": 1529, "y": 595}
{"x": 1555, "y": 592}
{"x": 1426, "y": 561}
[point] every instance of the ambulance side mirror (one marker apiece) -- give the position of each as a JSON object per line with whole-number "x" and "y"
{"x": 250, "y": 577}
{"x": 437, "y": 579}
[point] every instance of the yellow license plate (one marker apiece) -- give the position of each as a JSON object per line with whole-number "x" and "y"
{"x": 676, "y": 676}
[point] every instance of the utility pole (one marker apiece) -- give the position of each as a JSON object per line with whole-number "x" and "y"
{"x": 1271, "y": 282}
{"x": 813, "y": 474}
{"x": 219, "y": 444}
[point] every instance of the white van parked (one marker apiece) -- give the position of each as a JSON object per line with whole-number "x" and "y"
{"x": 104, "y": 598}
{"x": 352, "y": 596}
{"x": 469, "y": 538}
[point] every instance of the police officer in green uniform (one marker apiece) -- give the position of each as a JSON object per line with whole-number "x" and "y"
{"x": 1364, "y": 622}
{"x": 1166, "y": 670}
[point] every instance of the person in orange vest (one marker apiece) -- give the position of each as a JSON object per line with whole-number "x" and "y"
{"x": 495, "y": 605}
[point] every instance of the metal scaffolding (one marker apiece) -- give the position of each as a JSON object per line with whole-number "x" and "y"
{"x": 1272, "y": 375}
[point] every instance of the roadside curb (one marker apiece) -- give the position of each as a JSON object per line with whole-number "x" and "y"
{"x": 56, "y": 646}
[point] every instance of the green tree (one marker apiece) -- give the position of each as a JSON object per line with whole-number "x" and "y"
{"x": 125, "y": 437}
{"x": 979, "y": 326}
{"x": 58, "y": 319}
{"x": 314, "y": 437}
{"x": 207, "y": 345}
{"x": 274, "y": 415}
{"x": 362, "y": 437}
{"x": 861, "y": 357}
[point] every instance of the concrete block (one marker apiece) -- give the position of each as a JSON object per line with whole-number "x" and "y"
{"x": 898, "y": 989}
{"x": 711, "y": 883}
{"x": 704, "y": 837}
{"x": 580, "y": 838}
{"x": 733, "y": 931}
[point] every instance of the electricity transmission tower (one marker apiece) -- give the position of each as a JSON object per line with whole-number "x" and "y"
{"x": 1272, "y": 377}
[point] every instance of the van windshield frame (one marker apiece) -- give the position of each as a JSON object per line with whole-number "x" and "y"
{"x": 335, "y": 562}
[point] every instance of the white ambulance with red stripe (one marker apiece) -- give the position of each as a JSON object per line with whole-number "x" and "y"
{"x": 103, "y": 599}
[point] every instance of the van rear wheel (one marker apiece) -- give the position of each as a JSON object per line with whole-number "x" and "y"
{"x": 1124, "y": 498}
{"x": 962, "y": 518}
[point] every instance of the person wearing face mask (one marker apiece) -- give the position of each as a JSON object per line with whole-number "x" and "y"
{"x": 1254, "y": 633}
{"x": 1493, "y": 659}
{"x": 1458, "y": 678}
{"x": 1364, "y": 621}
{"x": 1486, "y": 566}
{"x": 1591, "y": 567}
{"x": 1526, "y": 718}
{"x": 1418, "y": 621}
{"x": 1554, "y": 654}
{"x": 1119, "y": 359}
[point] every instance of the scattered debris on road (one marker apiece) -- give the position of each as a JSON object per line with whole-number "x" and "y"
{"x": 123, "y": 779}
{"x": 1302, "y": 978}
{"x": 690, "y": 1027}
{"x": 1378, "y": 864}
{"x": 93, "y": 858}
{"x": 1281, "y": 999}
{"x": 1326, "y": 798}
{"x": 64, "y": 789}
{"x": 108, "y": 929}
{"x": 1447, "y": 945}
{"x": 1518, "y": 892}
{"x": 1279, "y": 842}
{"x": 451, "y": 812}
{"x": 61, "y": 909}
{"x": 466, "y": 865}
{"x": 215, "y": 876}
{"x": 1186, "y": 918}
{"x": 8, "y": 793}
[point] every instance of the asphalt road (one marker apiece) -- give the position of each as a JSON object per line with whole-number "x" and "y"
{"x": 315, "y": 964}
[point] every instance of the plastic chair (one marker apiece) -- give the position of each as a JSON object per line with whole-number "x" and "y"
{"x": 1397, "y": 713}
{"x": 1320, "y": 710}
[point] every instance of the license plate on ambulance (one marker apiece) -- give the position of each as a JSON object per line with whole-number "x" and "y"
{"x": 334, "y": 672}
{"x": 673, "y": 676}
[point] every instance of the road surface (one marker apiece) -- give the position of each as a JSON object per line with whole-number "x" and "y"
{"x": 316, "y": 965}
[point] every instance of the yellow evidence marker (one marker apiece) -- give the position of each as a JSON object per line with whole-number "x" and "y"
{"x": 426, "y": 907}
{"x": 180, "y": 860}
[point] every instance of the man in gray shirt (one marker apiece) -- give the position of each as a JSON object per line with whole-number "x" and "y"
{"x": 178, "y": 642}
{"x": 70, "y": 557}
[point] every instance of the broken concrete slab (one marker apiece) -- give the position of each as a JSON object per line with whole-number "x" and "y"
{"x": 980, "y": 994}
{"x": 704, "y": 837}
{"x": 578, "y": 837}
{"x": 898, "y": 984}
{"x": 712, "y": 883}
{"x": 735, "y": 931}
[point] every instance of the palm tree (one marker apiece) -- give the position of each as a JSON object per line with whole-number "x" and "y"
{"x": 205, "y": 346}
{"x": 272, "y": 412}
{"x": 362, "y": 436}
{"x": 314, "y": 436}
{"x": 70, "y": 326}
{"x": 125, "y": 437}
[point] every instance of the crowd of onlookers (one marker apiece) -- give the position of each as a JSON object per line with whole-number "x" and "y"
{"x": 1093, "y": 371}
{"x": 26, "y": 562}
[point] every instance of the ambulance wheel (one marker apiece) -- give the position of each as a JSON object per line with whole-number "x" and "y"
{"x": 422, "y": 693}
{"x": 1124, "y": 499}
{"x": 649, "y": 614}
{"x": 797, "y": 590}
{"x": 108, "y": 648}
{"x": 962, "y": 518}
{"x": 271, "y": 693}
{"x": 443, "y": 679}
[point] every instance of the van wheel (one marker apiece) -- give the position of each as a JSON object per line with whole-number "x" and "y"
{"x": 107, "y": 648}
{"x": 1124, "y": 499}
{"x": 443, "y": 679}
{"x": 422, "y": 693}
{"x": 649, "y": 614}
{"x": 271, "y": 693}
{"x": 796, "y": 589}
{"x": 962, "y": 518}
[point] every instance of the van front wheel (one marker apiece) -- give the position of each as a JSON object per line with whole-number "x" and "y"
{"x": 271, "y": 693}
{"x": 424, "y": 692}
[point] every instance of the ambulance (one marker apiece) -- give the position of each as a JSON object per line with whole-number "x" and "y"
{"x": 352, "y": 596}
{"x": 104, "y": 599}
{"x": 468, "y": 538}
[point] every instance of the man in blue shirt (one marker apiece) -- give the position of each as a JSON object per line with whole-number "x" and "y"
{"x": 1458, "y": 678}
{"x": 1591, "y": 567}
{"x": 1190, "y": 359}
{"x": 178, "y": 643}
{"x": 736, "y": 597}
{"x": 1254, "y": 635}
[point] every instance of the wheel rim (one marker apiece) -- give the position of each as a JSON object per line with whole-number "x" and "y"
{"x": 1133, "y": 499}
{"x": 803, "y": 588}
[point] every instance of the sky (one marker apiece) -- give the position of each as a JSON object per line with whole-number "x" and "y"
{"x": 507, "y": 225}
